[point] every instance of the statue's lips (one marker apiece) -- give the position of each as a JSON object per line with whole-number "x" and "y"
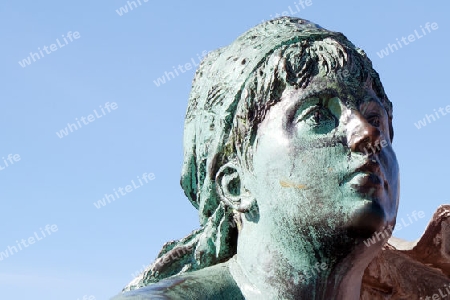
{"x": 366, "y": 178}
{"x": 369, "y": 181}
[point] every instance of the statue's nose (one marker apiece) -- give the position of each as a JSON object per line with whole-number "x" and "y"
{"x": 361, "y": 135}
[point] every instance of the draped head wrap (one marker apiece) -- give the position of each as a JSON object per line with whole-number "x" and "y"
{"x": 233, "y": 89}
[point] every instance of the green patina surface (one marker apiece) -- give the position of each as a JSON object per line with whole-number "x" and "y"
{"x": 274, "y": 161}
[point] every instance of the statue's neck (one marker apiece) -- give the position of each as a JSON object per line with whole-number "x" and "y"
{"x": 297, "y": 269}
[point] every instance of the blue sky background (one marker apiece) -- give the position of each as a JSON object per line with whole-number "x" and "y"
{"x": 117, "y": 59}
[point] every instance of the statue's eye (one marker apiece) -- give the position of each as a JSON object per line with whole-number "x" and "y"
{"x": 374, "y": 120}
{"x": 375, "y": 114}
{"x": 318, "y": 118}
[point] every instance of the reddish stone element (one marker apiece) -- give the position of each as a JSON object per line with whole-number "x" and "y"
{"x": 413, "y": 270}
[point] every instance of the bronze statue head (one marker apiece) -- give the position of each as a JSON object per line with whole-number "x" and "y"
{"x": 275, "y": 157}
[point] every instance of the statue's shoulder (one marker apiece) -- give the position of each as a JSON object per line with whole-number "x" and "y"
{"x": 214, "y": 282}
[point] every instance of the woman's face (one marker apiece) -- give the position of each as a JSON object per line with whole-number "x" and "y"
{"x": 324, "y": 159}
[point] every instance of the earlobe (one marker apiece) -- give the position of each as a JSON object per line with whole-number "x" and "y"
{"x": 230, "y": 188}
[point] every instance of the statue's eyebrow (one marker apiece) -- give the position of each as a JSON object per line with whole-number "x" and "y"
{"x": 306, "y": 95}
{"x": 313, "y": 93}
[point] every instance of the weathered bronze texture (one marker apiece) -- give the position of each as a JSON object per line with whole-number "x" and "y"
{"x": 288, "y": 158}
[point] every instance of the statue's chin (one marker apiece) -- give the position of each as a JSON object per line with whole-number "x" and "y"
{"x": 367, "y": 220}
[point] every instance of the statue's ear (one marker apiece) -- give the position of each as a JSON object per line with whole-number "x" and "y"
{"x": 231, "y": 190}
